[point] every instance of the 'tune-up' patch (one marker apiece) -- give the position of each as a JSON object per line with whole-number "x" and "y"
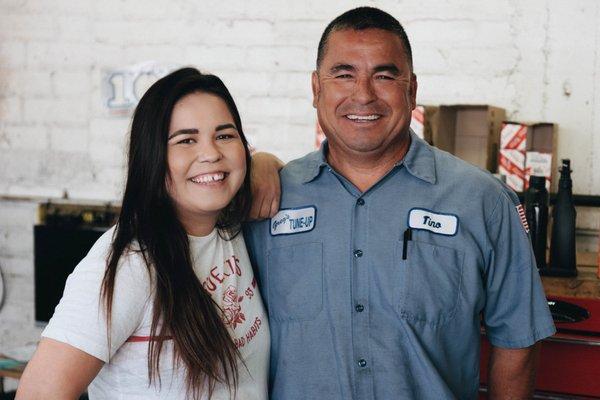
{"x": 294, "y": 220}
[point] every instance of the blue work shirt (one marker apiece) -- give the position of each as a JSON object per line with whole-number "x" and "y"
{"x": 355, "y": 313}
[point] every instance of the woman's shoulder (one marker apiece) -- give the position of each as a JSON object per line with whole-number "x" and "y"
{"x": 131, "y": 265}
{"x": 101, "y": 248}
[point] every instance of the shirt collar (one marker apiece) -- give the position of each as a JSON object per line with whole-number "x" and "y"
{"x": 419, "y": 161}
{"x": 314, "y": 162}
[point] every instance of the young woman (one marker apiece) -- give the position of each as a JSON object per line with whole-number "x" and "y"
{"x": 165, "y": 305}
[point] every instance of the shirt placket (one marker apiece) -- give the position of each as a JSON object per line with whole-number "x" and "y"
{"x": 360, "y": 260}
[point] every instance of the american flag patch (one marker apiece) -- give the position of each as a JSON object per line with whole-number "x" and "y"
{"x": 521, "y": 212}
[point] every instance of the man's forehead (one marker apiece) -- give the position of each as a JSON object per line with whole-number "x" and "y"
{"x": 347, "y": 42}
{"x": 367, "y": 48}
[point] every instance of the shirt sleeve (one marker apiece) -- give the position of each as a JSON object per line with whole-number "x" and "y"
{"x": 255, "y": 246}
{"x": 516, "y": 313}
{"x": 80, "y": 318}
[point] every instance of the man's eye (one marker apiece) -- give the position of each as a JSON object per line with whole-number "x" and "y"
{"x": 343, "y": 76}
{"x": 384, "y": 77}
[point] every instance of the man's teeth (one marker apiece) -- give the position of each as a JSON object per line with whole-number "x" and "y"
{"x": 371, "y": 117}
{"x": 208, "y": 178}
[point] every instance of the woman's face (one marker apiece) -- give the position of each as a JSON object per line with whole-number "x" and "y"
{"x": 206, "y": 160}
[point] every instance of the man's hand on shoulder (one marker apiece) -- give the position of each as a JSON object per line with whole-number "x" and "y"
{"x": 265, "y": 184}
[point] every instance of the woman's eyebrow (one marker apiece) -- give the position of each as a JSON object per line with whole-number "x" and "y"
{"x": 225, "y": 126}
{"x": 194, "y": 131}
{"x": 189, "y": 131}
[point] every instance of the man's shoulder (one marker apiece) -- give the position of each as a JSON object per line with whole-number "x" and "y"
{"x": 469, "y": 179}
{"x": 299, "y": 169}
{"x": 293, "y": 175}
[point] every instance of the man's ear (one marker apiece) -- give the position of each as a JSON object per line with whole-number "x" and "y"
{"x": 316, "y": 87}
{"x": 413, "y": 91}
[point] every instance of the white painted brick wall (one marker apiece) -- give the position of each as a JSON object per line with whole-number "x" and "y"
{"x": 56, "y": 134}
{"x": 16, "y": 260}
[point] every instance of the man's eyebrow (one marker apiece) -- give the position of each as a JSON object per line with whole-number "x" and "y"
{"x": 341, "y": 67}
{"x": 391, "y": 68}
{"x": 225, "y": 126}
{"x": 190, "y": 131}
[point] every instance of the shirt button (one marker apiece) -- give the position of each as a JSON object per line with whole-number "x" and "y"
{"x": 359, "y": 308}
{"x": 358, "y": 253}
{"x": 360, "y": 202}
{"x": 362, "y": 363}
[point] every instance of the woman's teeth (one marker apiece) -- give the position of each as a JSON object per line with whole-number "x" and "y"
{"x": 209, "y": 178}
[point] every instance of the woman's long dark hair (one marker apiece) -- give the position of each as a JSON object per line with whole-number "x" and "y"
{"x": 183, "y": 310}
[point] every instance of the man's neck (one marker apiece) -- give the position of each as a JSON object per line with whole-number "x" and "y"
{"x": 365, "y": 170}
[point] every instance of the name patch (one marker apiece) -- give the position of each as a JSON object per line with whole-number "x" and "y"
{"x": 442, "y": 224}
{"x": 294, "y": 220}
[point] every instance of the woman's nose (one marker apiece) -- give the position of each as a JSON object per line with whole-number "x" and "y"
{"x": 208, "y": 151}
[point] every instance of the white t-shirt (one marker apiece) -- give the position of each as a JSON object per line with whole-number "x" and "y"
{"x": 223, "y": 268}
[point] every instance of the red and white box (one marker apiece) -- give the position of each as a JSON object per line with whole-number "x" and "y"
{"x": 511, "y": 163}
{"x": 538, "y": 164}
{"x": 526, "y": 149}
{"x": 424, "y": 121}
{"x": 417, "y": 122}
{"x": 513, "y": 136}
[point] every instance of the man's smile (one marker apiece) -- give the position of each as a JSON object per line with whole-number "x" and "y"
{"x": 363, "y": 118}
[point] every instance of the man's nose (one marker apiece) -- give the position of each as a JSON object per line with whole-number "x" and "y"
{"x": 208, "y": 151}
{"x": 364, "y": 92}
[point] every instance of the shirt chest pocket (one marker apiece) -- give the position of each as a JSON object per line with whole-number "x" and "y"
{"x": 295, "y": 282}
{"x": 430, "y": 282}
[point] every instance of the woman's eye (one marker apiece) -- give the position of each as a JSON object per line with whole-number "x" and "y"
{"x": 225, "y": 136}
{"x": 186, "y": 141}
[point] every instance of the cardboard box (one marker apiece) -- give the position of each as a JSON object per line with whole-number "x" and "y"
{"x": 536, "y": 141}
{"x": 471, "y": 132}
{"x": 424, "y": 121}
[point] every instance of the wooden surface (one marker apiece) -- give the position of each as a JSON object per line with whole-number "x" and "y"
{"x": 586, "y": 284}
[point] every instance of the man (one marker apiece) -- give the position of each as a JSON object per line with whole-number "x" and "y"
{"x": 387, "y": 253}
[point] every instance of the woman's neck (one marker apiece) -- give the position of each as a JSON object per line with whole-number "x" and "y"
{"x": 198, "y": 225}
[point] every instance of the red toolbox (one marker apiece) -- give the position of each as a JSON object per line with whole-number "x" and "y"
{"x": 570, "y": 360}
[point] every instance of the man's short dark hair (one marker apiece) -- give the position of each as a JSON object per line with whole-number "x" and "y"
{"x": 365, "y": 18}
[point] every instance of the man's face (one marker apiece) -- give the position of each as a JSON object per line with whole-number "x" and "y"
{"x": 364, "y": 92}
